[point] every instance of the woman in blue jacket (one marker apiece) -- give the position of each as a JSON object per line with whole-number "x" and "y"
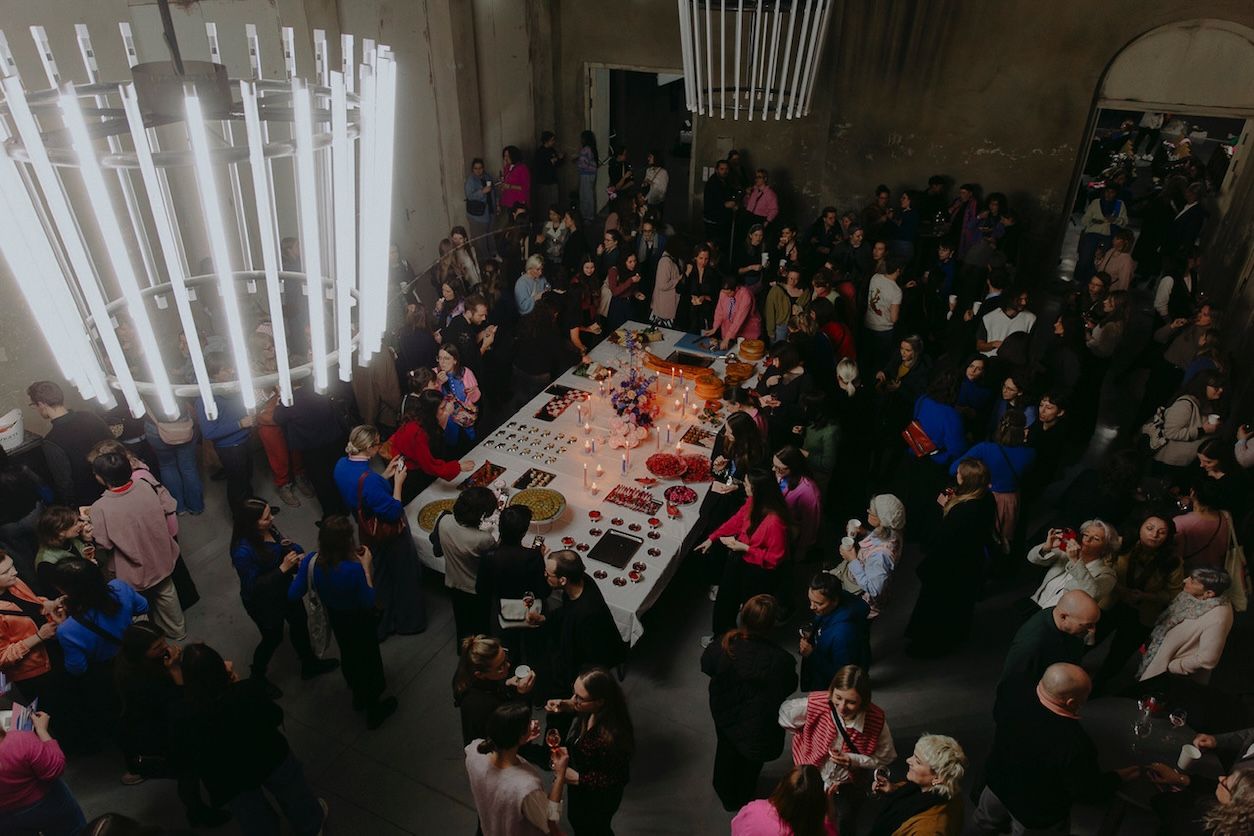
{"x": 942, "y": 422}
{"x": 265, "y": 563}
{"x": 344, "y": 579}
{"x": 374, "y": 497}
{"x": 1008, "y": 458}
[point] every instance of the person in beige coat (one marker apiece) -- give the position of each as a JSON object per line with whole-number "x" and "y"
{"x": 1190, "y": 634}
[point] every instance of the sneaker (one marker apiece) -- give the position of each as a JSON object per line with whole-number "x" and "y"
{"x": 380, "y": 711}
{"x": 304, "y": 485}
{"x": 287, "y": 493}
{"x": 706, "y": 641}
{"x": 318, "y": 667}
{"x": 714, "y": 592}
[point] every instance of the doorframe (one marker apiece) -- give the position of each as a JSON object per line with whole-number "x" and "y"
{"x": 589, "y": 84}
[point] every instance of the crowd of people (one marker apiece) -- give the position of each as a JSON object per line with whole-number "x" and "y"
{"x": 916, "y": 390}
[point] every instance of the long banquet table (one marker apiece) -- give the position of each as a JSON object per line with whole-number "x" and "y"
{"x": 567, "y": 459}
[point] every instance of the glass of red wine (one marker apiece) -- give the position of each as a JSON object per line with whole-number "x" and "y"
{"x": 529, "y": 598}
{"x": 554, "y": 739}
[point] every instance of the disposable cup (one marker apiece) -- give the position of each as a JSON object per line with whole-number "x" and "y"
{"x": 1189, "y": 754}
{"x": 522, "y": 671}
{"x": 846, "y": 542}
{"x": 853, "y": 526}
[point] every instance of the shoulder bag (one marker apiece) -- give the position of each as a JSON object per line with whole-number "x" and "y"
{"x": 917, "y": 439}
{"x": 372, "y": 530}
{"x": 316, "y": 614}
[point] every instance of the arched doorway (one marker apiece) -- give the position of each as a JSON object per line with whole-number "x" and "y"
{"x": 1196, "y": 72}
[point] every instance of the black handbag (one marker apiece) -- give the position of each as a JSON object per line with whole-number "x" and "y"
{"x": 184, "y": 586}
{"x": 434, "y": 537}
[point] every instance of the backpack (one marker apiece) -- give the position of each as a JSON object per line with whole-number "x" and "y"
{"x": 316, "y": 614}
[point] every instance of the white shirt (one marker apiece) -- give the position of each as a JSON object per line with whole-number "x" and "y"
{"x": 1096, "y": 577}
{"x": 998, "y": 326}
{"x": 792, "y": 715}
{"x": 884, "y": 293}
{"x": 657, "y": 179}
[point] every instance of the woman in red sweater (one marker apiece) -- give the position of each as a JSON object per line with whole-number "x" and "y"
{"x": 420, "y": 428}
{"x": 756, "y": 537}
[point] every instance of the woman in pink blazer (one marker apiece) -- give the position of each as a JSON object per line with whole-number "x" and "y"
{"x": 1190, "y": 635}
{"x": 735, "y": 314}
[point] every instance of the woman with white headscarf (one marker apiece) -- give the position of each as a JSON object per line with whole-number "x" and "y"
{"x": 867, "y": 565}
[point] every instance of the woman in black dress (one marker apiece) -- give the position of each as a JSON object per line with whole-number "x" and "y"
{"x": 952, "y": 572}
{"x": 484, "y": 682}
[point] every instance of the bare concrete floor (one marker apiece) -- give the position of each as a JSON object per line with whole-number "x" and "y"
{"x": 408, "y": 777}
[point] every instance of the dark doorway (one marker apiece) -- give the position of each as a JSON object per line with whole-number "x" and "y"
{"x": 648, "y": 113}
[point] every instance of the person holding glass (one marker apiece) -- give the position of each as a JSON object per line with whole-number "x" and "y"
{"x": 927, "y": 801}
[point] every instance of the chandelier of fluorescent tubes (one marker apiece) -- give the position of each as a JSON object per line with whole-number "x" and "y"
{"x": 756, "y": 56}
{"x": 120, "y": 197}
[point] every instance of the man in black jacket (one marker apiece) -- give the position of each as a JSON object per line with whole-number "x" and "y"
{"x": 581, "y": 632}
{"x": 1053, "y": 635}
{"x": 1042, "y": 760}
{"x": 66, "y": 445}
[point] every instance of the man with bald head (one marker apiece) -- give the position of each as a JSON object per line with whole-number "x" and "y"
{"x": 1058, "y": 634}
{"x": 1042, "y": 760}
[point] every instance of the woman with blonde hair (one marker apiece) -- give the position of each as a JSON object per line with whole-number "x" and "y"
{"x": 1085, "y": 563}
{"x": 484, "y": 682}
{"x": 952, "y": 571}
{"x": 376, "y": 506}
{"x": 927, "y": 801}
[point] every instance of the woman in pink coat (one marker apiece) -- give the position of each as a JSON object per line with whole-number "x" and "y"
{"x": 798, "y": 807}
{"x": 515, "y": 179}
{"x": 735, "y": 314}
{"x": 1190, "y": 635}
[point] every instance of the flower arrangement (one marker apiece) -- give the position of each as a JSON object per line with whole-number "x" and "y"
{"x": 636, "y": 406}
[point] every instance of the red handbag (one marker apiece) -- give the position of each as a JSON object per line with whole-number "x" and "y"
{"x": 371, "y": 530}
{"x": 917, "y": 440}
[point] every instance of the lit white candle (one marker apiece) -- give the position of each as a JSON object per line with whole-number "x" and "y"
{"x": 672, "y": 383}
{"x": 585, "y": 475}
{"x": 670, "y": 390}
{"x": 600, "y": 471}
{"x": 587, "y": 428}
{"x": 587, "y": 446}
{"x": 668, "y": 433}
{"x": 679, "y": 407}
{"x": 594, "y": 488}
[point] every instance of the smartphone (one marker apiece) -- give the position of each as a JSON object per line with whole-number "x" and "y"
{"x": 538, "y": 541}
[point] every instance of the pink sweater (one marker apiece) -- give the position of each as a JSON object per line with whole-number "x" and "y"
{"x": 768, "y": 544}
{"x": 27, "y": 766}
{"x": 803, "y": 501}
{"x": 737, "y": 316}
{"x": 131, "y": 523}
{"x": 758, "y": 818}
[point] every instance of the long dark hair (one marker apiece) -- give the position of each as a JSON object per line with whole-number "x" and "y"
{"x": 797, "y": 463}
{"x": 747, "y": 447}
{"x": 612, "y": 718}
{"x": 244, "y": 526}
{"x": 800, "y": 801}
{"x": 1196, "y": 388}
{"x": 134, "y": 667}
{"x": 1161, "y": 561}
{"x": 757, "y": 618}
{"x": 336, "y": 542}
{"x": 85, "y": 588}
{"x": 205, "y": 677}
{"x": 589, "y": 139}
{"x": 423, "y": 408}
{"x": 506, "y": 727}
{"x": 766, "y": 498}
{"x": 543, "y": 318}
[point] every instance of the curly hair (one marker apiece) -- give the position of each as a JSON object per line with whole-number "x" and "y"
{"x": 1237, "y": 816}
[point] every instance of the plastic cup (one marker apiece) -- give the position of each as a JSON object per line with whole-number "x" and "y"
{"x": 524, "y": 671}
{"x": 846, "y": 542}
{"x": 1189, "y": 754}
{"x": 853, "y": 526}
{"x": 1213, "y": 418}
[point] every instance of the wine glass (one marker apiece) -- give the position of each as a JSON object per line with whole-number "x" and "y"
{"x": 533, "y": 729}
{"x": 806, "y": 631}
{"x": 1141, "y": 730}
{"x": 1178, "y": 717}
{"x": 529, "y": 598}
{"x": 553, "y": 738}
{"x": 881, "y": 773}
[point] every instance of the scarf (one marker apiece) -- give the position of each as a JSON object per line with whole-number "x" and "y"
{"x": 814, "y": 741}
{"x": 1183, "y": 608}
{"x": 903, "y": 804}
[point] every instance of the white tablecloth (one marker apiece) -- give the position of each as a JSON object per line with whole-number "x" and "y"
{"x": 628, "y": 602}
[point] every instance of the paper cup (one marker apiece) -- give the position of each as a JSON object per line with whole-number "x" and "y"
{"x": 1212, "y": 418}
{"x": 1189, "y": 754}
{"x": 853, "y": 526}
{"x": 846, "y": 542}
{"x": 522, "y": 671}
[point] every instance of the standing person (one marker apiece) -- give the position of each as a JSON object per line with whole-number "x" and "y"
{"x": 544, "y": 188}
{"x": 883, "y": 309}
{"x": 797, "y": 807}
{"x": 655, "y": 183}
{"x": 839, "y": 730}
{"x": 314, "y": 429}
{"x": 1058, "y": 634}
{"x": 464, "y": 544}
{"x": 760, "y": 201}
{"x": 581, "y": 631}
{"x": 951, "y": 574}
{"x": 665, "y": 303}
{"x": 480, "y": 209}
{"x": 927, "y": 801}
{"x": 1042, "y": 760}
{"x": 750, "y": 677}
{"x": 175, "y": 444}
{"x": 1085, "y": 564}
{"x": 1103, "y": 217}
{"x": 1117, "y": 261}
{"x": 483, "y": 684}
{"x": 719, "y": 205}
{"x": 756, "y": 541}
{"x": 531, "y": 285}
{"x": 229, "y": 730}
{"x": 838, "y": 633}
{"x": 420, "y": 440}
{"x": 868, "y": 564}
{"x": 802, "y": 494}
{"x": 266, "y": 562}
{"x": 27, "y": 629}
{"x": 286, "y": 467}
{"x": 344, "y": 579}
{"x": 735, "y": 314}
{"x": 601, "y": 743}
{"x": 33, "y": 797}
{"x": 1189, "y": 636}
{"x": 509, "y": 796}
{"x": 701, "y": 288}
{"x": 96, "y": 615}
{"x": 129, "y": 520}
{"x": 1008, "y": 459}
{"x": 67, "y": 443}
{"x": 397, "y": 575}
{"x": 587, "y": 164}
{"x": 230, "y": 432}
{"x": 460, "y": 387}
{"x": 511, "y": 572}
{"x": 515, "y": 179}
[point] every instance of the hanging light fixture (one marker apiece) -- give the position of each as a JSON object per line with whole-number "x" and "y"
{"x": 756, "y": 57}
{"x": 158, "y": 202}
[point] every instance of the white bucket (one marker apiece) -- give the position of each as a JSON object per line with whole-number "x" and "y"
{"x": 12, "y": 430}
